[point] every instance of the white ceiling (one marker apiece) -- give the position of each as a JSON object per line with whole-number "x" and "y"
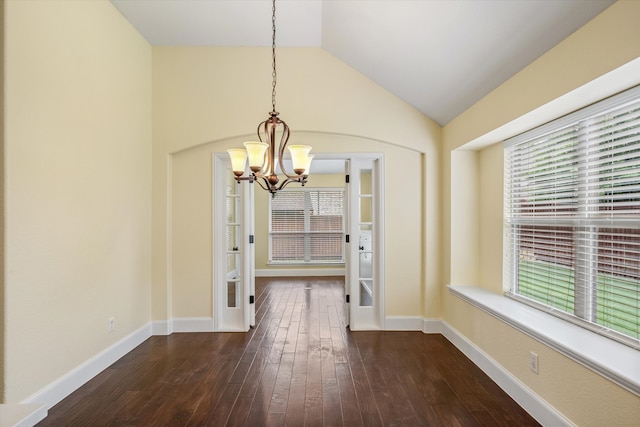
{"x": 441, "y": 56}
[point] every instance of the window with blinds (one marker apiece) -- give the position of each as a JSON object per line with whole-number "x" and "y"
{"x": 307, "y": 226}
{"x": 572, "y": 217}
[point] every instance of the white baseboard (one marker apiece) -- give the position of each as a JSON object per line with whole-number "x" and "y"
{"x": 192, "y": 324}
{"x": 413, "y": 323}
{"x": 21, "y": 415}
{"x": 403, "y": 323}
{"x": 161, "y": 327}
{"x": 537, "y": 407}
{"x": 182, "y": 324}
{"x": 299, "y": 272}
{"x": 74, "y": 379}
{"x": 432, "y": 326}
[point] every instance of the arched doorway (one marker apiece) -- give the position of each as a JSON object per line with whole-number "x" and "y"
{"x": 234, "y": 256}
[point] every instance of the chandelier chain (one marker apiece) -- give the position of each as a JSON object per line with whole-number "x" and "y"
{"x": 273, "y": 57}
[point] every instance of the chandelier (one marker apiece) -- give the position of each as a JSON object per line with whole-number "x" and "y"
{"x": 262, "y": 155}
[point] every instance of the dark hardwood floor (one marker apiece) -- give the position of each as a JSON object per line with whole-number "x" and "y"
{"x": 299, "y": 366}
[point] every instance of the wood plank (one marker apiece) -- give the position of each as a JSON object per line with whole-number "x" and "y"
{"x": 351, "y": 415}
{"x": 280, "y": 395}
{"x": 298, "y": 366}
{"x": 331, "y": 408}
{"x": 262, "y": 399}
{"x": 296, "y": 402}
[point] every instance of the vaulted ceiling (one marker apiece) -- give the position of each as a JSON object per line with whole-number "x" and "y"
{"x": 441, "y": 56}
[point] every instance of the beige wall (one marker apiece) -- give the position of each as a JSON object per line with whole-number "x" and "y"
{"x": 209, "y": 99}
{"x": 464, "y": 213}
{"x": 583, "y": 397}
{"x": 77, "y": 113}
{"x": 2, "y": 204}
{"x": 490, "y": 194}
{"x": 191, "y": 242}
{"x": 598, "y": 60}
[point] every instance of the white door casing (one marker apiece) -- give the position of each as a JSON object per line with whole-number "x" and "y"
{"x": 233, "y": 225}
{"x": 233, "y": 254}
{"x": 347, "y": 245}
{"x": 364, "y": 281}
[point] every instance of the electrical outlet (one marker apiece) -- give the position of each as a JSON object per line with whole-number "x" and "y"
{"x": 112, "y": 324}
{"x": 533, "y": 362}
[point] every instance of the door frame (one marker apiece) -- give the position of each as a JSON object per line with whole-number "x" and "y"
{"x": 219, "y": 160}
{"x": 356, "y": 314}
{"x": 241, "y": 318}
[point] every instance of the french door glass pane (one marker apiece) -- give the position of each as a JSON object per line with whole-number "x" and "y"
{"x": 233, "y": 266}
{"x": 233, "y": 237}
{"x": 365, "y": 182}
{"x": 365, "y": 240}
{"x": 366, "y": 293}
{"x": 232, "y": 294}
{"x": 365, "y": 209}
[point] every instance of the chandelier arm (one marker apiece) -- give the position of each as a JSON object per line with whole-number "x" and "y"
{"x": 258, "y": 130}
{"x": 268, "y": 188}
{"x": 301, "y": 180}
{"x": 263, "y": 132}
{"x": 285, "y": 183}
{"x": 270, "y": 131}
{"x": 250, "y": 178}
{"x": 284, "y": 141}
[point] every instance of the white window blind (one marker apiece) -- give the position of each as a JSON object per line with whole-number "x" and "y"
{"x": 307, "y": 226}
{"x": 572, "y": 217}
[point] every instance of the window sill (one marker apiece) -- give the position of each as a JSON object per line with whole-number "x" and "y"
{"x": 615, "y": 361}
{"x": 303, "y": 264}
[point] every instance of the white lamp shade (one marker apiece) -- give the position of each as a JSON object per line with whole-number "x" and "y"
{"x": 300, "y": 157}
{"x": 238, "y": 160}
{"x": 255, "y": 151}
{"x": 308, "y": 164}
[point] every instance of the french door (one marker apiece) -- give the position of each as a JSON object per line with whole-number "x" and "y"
{"x": 234, "y": 257}
{"x": 364, "y": 285}
{"x": 234, "y": 254}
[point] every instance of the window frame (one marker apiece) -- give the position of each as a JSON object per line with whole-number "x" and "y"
{"x": 308, "y": 259}
{"x": 585, "y": 313}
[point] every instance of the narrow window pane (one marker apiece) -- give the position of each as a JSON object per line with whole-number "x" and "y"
{"x": 365, "y": 210}
{"x": 365, "y": 265}
{"x": 233, "y": 266}
{"x": 366, "y": 293}
{"x": 232, "y": 294}
{"x": 619, "y": 280}
{"x": 366, "y": 181}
